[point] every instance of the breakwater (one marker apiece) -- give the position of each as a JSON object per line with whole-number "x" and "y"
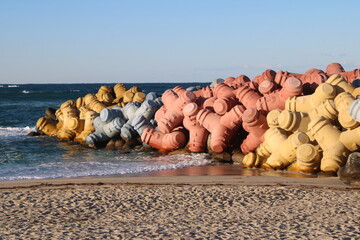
{"x": 278, "y": 120}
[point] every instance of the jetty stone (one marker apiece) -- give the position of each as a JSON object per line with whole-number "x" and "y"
{"x": 350, "y": 173}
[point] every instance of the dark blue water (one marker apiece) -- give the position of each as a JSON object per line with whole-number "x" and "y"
{"x": 25, "y": 157}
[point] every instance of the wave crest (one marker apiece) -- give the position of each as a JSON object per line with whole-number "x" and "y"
{"x": 15, "y": 131}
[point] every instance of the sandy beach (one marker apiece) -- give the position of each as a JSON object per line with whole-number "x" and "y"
{"x": 168, "y": 205}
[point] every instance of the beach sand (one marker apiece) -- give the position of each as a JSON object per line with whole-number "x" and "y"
{"x": 209, "y": 202}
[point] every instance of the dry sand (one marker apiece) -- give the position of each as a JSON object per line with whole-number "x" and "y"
{"x": 180, "y": 207}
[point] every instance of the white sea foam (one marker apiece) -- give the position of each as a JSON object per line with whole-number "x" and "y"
{"x": 13, "y": 85}
{"x": 123, "y": 165}
{"x": 15, "y": 131}
{"x": 25, "y": 91}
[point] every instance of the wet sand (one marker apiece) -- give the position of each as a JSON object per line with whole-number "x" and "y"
{"x": 208, "y": 202}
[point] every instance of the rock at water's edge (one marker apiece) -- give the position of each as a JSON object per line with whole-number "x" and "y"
{"x": 350, "y": 173}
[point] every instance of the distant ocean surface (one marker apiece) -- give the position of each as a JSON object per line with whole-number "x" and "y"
{"x": 25, "y": 157}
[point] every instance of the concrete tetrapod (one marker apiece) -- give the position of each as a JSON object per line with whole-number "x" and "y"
{"x": 96, "y": 105}
{"x": 276, "y": 100}
{"x": 88, "y": 126}
{"x": 207, "y": 92}
{"x": 104, "y": 131}
{"x": 286, "y": 152}
{"x": 159, "y": 114}
{"x": 174, "y": 105}
{"x": 247, "y": 96}
{"x": 311, "y": 79}
{"x": 128, "y": 131}
{"x": 343, "y": 102}
{"x": 307, "y": 159}
{"x": 119, "y": 90}
{"x": 272, "y": 118}
{"x": 351, "y": 139}
{"x": 266, "y": 87}
{"x": 124, "y": 96}
{"x": 340, "y": 84}
{"x": 282, "y": 76}
{"x": 147, "y": 110}
{"x": 130, "y": 109}
{"x": 70, "y": 124}
{"x": 252, "y": 85}
{"x": 109, "y": 114}
{"x": 47, "y": 126}
{"x": 267, "y": 75}
{"x": 204, "y": 92}
{"x": 104, "y": 95}
{"x": 180, "y": 90}
{"x": 113, "y": 128}
{"x": 356, "y": 92}
{"x": 350, "y": 76}
{"x": 229, "y": 80}
{"x": 242, "y": 80}
{"x": 327, "y": 110}
{"x": 209, "y": 103}
{"x": 85, "y": 101}
{"x": 223, "y": 90}
{"x": 83, "y": 111}
{"x": 222, "y": 128}
{"x": 334, "y": 68}
{"x": 151, "y": 96}
{"x": 80, "y": 102}
{"x": 294, "y": 121}
{"x": 59, "y": 113}
{"x": 127, "y": 98}
{"x": 238, "y": 81}
{"x": 139, "y": 97}
{"x": 307, "y": 103}
{"x": 224, "y": 104}
{"x": 198, "y": 134}
{"x": 254, "y": 122}
{"x": 273, "y": 138}
{"x": 163, "y": 141}
{"x": 327, "y": 136}
{"x": 76, "y": 125}
{"x": 70, "y": 120}
{"x": 140, "y": 123}
{"x": 252, "y": 160}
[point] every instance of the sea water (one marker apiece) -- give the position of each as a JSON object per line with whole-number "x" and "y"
{"x": 27, "y": 157}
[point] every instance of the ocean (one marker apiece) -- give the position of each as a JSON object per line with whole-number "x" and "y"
{"x": 26, "y": 157}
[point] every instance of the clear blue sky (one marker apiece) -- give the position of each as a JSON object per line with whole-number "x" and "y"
{"x": 83, "y": 41}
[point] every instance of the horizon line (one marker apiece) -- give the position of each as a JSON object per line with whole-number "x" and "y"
{"x": 100, "y": 83}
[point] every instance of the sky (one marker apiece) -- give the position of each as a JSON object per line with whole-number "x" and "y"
{"x": 108, "y": 41}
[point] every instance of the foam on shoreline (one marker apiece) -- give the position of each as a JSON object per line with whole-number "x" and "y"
{"x": 195, "y": 175}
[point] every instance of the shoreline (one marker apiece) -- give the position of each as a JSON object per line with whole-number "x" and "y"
{"x": 225, "y": 174}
